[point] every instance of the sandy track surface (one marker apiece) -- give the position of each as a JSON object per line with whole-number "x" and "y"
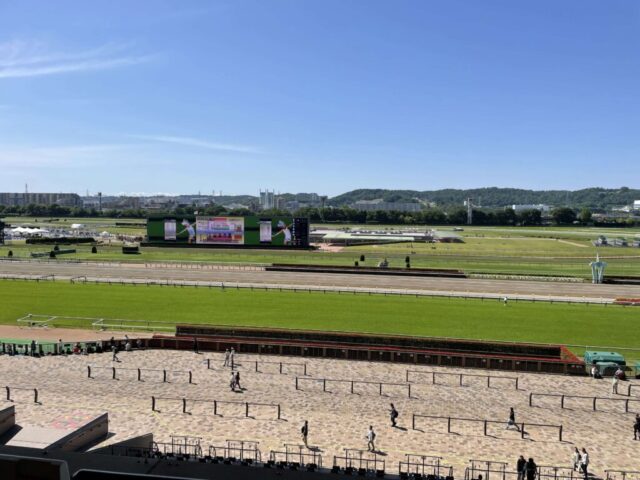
{"x": 470, "y": 285}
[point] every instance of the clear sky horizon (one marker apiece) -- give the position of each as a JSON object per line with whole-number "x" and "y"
{"x": 318, "y": 96}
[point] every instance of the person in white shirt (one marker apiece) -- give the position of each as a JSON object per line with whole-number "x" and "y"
{"x": 584, "y": 463}
{"x": 371, "y": 437}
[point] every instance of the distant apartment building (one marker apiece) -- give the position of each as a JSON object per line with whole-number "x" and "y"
{"x": 636, "y": 204}
{"x": 379, "y": 204}
{"x": 267, "y": 200}
{"x": 540, "y": 206}
{"x": 22, "y": 199}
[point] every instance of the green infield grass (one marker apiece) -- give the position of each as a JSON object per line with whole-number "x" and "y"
{"x": 572, "y": 324}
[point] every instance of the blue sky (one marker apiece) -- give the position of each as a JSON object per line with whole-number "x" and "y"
{"x": 318, "y": 95}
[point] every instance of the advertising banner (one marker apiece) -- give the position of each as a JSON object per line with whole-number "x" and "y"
{"x": 220, "y": 230}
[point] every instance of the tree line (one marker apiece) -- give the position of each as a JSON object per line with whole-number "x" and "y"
{"x": 428, "y": 216}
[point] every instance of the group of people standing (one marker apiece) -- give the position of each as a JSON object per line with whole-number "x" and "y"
{"x": 527, "y": 469}
{"x": 229, "y": 361}
{"x": 580, "y": 461}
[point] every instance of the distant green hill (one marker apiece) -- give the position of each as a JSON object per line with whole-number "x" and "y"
{"x": 498, "y": 197}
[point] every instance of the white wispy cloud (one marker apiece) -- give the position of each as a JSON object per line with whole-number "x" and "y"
{"x": 19, "y": 58}
{"x": 198, "y": 143}
{"x": 59, "y": 156}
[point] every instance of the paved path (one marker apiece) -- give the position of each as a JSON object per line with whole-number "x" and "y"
{"x": 337, "y": 419}
{"x": 462, "y": 285}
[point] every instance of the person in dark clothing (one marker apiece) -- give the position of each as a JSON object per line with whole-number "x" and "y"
{"x": 512, "y": 420}
{"x": 305, "y": 433}
{"x": 521, "y": 468}
{"x": 393, "y": 413}
{"x": 532, "y": 469}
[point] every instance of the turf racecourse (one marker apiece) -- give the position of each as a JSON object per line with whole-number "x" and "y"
{"x": 424, "y": 316}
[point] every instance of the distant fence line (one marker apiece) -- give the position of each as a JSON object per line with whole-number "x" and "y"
{"x": 314, "y": 289}
{"x": 582, "y": 397}
{"x": 461, "y": 376}
{"x": 216, "y": 403}
{"x": 521, "y": 425}
{"x": 139, "y": 371}
{"x": 257, "y": 363}
{"x": 353, "y": 383}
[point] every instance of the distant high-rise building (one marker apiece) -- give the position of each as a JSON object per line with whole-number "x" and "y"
{"x": 267, "y": 199}
{"x": 22, "y": 199}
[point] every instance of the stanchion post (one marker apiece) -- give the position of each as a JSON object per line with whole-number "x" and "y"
{"x": 560, "y": 433}
{"x": 164, "y": 376}
{"x": 409, "y": 390}
{"x": 433, "y": 377}
{"x": 324, "y": 384}
{"x": 208, "y": 364}
{"x": 88, "y": 371}
{"x": 296, "y": 383}
{"x": 184, "y": 405}
{"x": 8, "y": 394}
{"x": 305, "y": 369}
{"x": 215, "y": 407}
{"x": 531, "y": 399}
{"x": 488, "y": 381}
{"x": 35, "y": 395}
{"x": 522, "y": 431}
{"x": 413, "y": 421}
{"x": 595, "y": 399}
{"x": 139, "y": 375}
{"x": 247, "y": 409}
{"x": 113, "y": 369}
{"x": 380, "y": 388}
{"x": 351, "y": 386}
{"x": 517, "y": 379}
{"x": 626, "y": 406}
{"x": 280, "y": 367}
{"x": 407, "y": 376}
{"x": 460, "y": 379}
{"x": 448, "y": 424}
{"x": 190, "y": 376}
{"x": 153, "y": 403}
{"x": 485, "y": 428}
{"x": 562, "y": 401}
{"x": 278, "y": 411}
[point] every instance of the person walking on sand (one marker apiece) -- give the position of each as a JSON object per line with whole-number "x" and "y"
{"x": 584, "y": 463}
{"x": 512, "y": 420}
{"x": 575, "y": 459}
{"x": 614, "y": 383}
{"x": 371, "y": 438}
{"x": 305, "y": 433}
{"x": 521, "y": 468}
{"x": 238, "y": 380}
{"x": 226, "y": 358}
{"x": 232, "y": 382}
{"x": 393, "y": 414}
{"x": 114, "y": 350}
{"x": 232, "y": 355}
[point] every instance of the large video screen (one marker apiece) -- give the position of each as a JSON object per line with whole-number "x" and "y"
{"x": 220, "y": 230}
{"x": 231, "y": 231}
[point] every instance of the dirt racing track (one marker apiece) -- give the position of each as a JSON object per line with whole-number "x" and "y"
{"x": 258, "y": 276}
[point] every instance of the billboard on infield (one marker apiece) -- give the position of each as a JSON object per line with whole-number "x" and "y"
{"x": 229, "y": 231}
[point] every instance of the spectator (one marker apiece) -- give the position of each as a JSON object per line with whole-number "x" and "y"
{"x": 114, "y": 350}
{"x": 575, "y": 459}
{"x": 238, "y": 380}
{"x": 232, "y": 382}
{"x": 393, "y": 413}
{"x": 305, "y": 433}
{"x": 620, "y": 375}
{"x": 584, "y": 463}
{"x": 371, "y": 438}
{"x": 226, "y": 358}
{"x": 532, "y": 469}
{"x": 636, "y": 428}
{"x": 521, "y": 467}
{"x": 127, "y": 346}
{"x": 512, "y": 420}
{"x": 595, "y": 372}
{"x": 614, "y": 386}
